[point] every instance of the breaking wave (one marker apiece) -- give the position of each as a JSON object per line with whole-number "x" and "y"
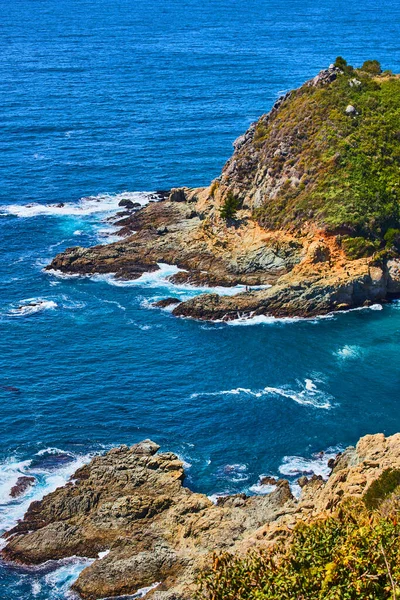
{"x": 307, "y": 395}
{"x": 50, "y": 468}
{"x": 103, "y": 203}
{"x": 31, "y": 306}
{"x": 349, "y": 351}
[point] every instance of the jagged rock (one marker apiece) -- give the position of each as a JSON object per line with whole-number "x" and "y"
{"x": 177, "y": 195}
{"x": 131, "y": 501}
{"x": 268, "y": 481}
{"x": 128, "y": 203}
{"x": 23, "y": 483}
{"x": 165, "y": 302}
{"x": 325, "y": 77}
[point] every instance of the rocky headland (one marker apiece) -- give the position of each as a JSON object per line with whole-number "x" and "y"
{"x": 307, "y": 208}
{"x": 131, "y": 504}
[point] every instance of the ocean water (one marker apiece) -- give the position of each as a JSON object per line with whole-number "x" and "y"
{"x": 108, "y": 100}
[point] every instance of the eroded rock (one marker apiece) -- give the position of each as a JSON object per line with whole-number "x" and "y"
{"x": 131, "y": 501}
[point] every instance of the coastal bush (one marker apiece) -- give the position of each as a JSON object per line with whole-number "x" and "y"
{"x": 229, "y": 207}
{"x": 372, "y": 66}
{"x": 392, "y": 238}
{"x": 341, "y": 63}
{"x": 358, "y": 247}
{"x": 352, "y": 555}
{"x": 348, "y": 166}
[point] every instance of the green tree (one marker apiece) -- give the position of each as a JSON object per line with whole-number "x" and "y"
{"x": 229, "y": 207}
{"x": 372, "y": 66}
{"x": 341, "y": 63}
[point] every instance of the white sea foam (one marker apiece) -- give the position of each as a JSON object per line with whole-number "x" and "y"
{"x": 262, "y": 488}
{"x": 103, "y": 203}
{"x": 236, "y": 472}
{"x": 66, "y": 572}
{"x": 115, "y": 303}
{"x": 156, "y": 280}
{"x": 160, "y": 279}
{"x": 293, "y": 467}
{"x": 214, "y": 497}
{"x": 31, "y": 306}
{"x": 317, "y": 464}
{"x": 371, "y": 307}
{"x": 349, "y": 351}
{"x": 46, "y": 481}
{"x": 270, "y": 320}
{"x": 308, "y": 394}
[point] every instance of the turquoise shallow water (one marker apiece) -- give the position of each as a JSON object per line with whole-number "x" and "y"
{"x": 101, "y": 98}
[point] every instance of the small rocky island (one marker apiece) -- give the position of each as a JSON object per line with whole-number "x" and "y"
{"x": 130, "y": 506}
{"x": 307, "y": 207}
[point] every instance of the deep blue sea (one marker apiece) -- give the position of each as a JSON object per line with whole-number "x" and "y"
{"x": 104, "y": 99}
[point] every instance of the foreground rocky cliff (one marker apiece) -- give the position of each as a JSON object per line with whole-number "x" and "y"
{"x": 131, "y": 502}
{"x": 309, "y": 204}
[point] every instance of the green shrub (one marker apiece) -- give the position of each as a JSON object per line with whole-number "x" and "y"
{"x": 372, "y": 66}
{"x": 353, "y": 555}
{"x": 341, "y": 63}
{"x": 381, "y": 488}
{"x": 392, "y": 238}
{"x": 229, "y": 207}
{"x": 358, "y": 247}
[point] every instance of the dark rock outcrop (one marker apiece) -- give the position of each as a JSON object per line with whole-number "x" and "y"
{"x": 165, "y": 302}
{"x": 23, "y": 484}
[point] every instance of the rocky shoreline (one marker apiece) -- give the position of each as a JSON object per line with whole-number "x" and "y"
{"x": 305, "y": 273}
{"x": 130, "y": 506}
{"x": 279, "y": 231}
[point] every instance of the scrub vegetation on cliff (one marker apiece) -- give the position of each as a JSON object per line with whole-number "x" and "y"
{"x": 330, "y": 155}
{"x": 354, "y": 554}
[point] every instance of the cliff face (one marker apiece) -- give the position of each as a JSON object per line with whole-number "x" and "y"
{"x": 131, "y": 502}
{"x": 310, "y": 204}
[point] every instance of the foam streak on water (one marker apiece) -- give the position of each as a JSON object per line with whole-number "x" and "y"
{"x": 308, "y": 395}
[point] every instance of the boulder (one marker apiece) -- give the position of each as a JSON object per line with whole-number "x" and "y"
{"x": 350, "y": 110}
{"x": 128, "y": 203}
{"x": 23, "y": 483}
{"x": 165, "y": 302}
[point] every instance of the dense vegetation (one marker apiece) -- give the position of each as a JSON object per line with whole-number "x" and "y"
{"x": 352, "y": 555}
{"x": 347, "y": 160}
